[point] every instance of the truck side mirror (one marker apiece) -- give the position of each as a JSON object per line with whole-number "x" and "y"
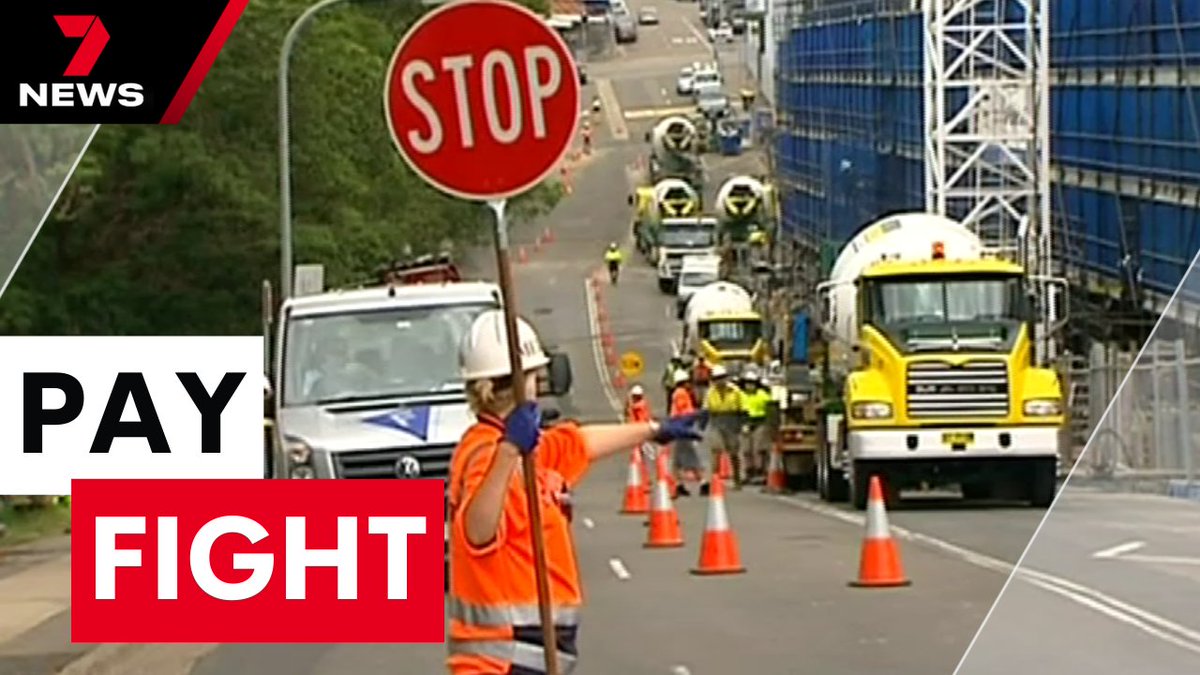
{"x": 559, "y": 377}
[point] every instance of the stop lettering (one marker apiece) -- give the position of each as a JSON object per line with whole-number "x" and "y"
{"x": 482, "y": 99}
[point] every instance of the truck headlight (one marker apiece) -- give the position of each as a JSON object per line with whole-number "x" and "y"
{"x": 871, "y": 410}
{"x": 299, "y": 454}
{"x": 1043, "y": 407}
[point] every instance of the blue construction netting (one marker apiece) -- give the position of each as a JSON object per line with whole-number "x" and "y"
{"x": 1125, "y": 123}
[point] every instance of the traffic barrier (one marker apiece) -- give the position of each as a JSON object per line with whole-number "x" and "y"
{"x": 636, "y": 501}
{"x": 719, "y": 549}
{"x": 880, "y": 565}
{"x": 664, "y": 529}
{"x": 776, "y": 473}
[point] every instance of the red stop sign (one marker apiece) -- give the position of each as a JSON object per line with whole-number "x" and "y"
{"x": 482, "y": 99}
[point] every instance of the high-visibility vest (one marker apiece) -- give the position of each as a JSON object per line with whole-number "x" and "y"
{"x": 755, "y": 404}
{"x": 612, "y": 255}
{"x": 493, "y": 601}
{"x": 729, "y": 402}
{"x": 638, "y": 411}
{"x": 681, "y": 401}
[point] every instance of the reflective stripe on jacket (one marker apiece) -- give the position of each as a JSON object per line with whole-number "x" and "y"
{"x": 492, "y": 606}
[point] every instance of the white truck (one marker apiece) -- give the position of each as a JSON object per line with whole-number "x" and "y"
{"x": 695, "y": 272}
{"x": 679, "y": 237}
{"x": 366, "y": 382}
{"x": 722, "y": 326}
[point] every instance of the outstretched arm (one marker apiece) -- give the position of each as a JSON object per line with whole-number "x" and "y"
{"x": 607, "y": 439}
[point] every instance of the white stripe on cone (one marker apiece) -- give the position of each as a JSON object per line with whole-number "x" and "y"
{"x": 877, "y": 522}
{"x": 717, "y": 520}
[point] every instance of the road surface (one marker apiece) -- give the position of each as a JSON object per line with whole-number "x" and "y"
{"x": 792, "y": 611}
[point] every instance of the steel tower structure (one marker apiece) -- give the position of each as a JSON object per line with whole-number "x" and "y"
{"x": 987, "y": 123}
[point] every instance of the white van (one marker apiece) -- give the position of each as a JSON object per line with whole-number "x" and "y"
{"x": 704, "y": 80}
{"x": 695, "y": 272}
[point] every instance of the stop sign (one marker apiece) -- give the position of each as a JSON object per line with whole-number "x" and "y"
{"x": 482, "y": 99}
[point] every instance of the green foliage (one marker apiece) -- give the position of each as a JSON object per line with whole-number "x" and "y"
{"x": 172, "y": 230}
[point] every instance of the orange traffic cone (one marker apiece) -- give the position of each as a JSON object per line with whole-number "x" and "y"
{"x": 664, "y": 521}
{"x": 618, "y": 380}
{"x": 724, "y": 466}
{"x": 664, "y": 451}
{"x": 610, "y": 356}
{"x": 522, "y": 256}
{"x": 635, "y": 497}
{"x": 548, "y": 236}
{"x": 776, "y": 474}
{"x": 719, "y": 549}
{"x": 880, "y": 565}
{"x": 606, "y": 338}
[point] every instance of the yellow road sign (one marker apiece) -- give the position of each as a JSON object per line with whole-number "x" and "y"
{"x": 632, "y": 364}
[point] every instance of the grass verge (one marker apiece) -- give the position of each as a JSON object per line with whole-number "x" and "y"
{"x": 24, "y": 525}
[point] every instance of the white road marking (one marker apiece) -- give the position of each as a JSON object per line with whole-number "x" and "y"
{"x": 612, "y": 108}
{"x": 588, "y": 523}
{"x": 1162, "y": 559}
{"x": 680, "y": 670}
{"x": 597, "y": 349}
{"x": 700, "y": 37}
{"x": 1119, "y": 549}
{"x": 618, "y": 569}
{"x": 1150, "y": 623}
{"x": 651, "y": 113}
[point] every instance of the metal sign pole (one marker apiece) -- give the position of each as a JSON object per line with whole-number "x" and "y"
{"x": 528, "y": 465}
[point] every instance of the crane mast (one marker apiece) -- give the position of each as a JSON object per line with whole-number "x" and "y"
{"x": 987, "y": 163}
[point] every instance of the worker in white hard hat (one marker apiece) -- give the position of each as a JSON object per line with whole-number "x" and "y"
{"x": 723, "y": 402}
{"x": 755, "y": 399}
{"x": 685, "y": 458}
{"x": 493, "y": 598}
{"x": 637, "y": 409}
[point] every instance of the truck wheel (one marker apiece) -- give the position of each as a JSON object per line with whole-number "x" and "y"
{"x": 837, "y": 486}
{"x": 859, "y": 485}
{"x": 822, "y": 474}
{"x": 1043, "y": 484}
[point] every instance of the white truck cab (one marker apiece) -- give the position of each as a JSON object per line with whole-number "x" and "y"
{"x": 679, "y": 237}
{"x": 695, "y": 272}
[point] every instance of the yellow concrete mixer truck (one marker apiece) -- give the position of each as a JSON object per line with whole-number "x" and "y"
{"x": 721, "y": 325}
{"x": 931, "y": 342}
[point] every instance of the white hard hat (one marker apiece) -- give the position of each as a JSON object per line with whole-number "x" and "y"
{"x": 681, "y": 376}
{"x": 718, "y": 371}
{"x": 750, "y": 374}
{"x": 636, "y": 390}
{"x": 484, "y": 352}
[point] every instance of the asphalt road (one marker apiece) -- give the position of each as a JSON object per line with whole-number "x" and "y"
{"x": 1110, "y": 585}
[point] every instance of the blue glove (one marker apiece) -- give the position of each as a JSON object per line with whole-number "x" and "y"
{"x": 681, "y": 427}
{"x": 523, "y": 427}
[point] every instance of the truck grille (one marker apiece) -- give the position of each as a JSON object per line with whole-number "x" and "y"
{"x": 974, "y": 389}
{"x": 434, "y": 461}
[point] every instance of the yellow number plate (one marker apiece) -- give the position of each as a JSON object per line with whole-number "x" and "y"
{"x": 960, "y": 439}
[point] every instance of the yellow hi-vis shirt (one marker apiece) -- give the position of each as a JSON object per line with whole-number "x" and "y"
{"x": 755, "y": 404}
{"x": 717, "y": 404}
{"x": 612, "y": 256}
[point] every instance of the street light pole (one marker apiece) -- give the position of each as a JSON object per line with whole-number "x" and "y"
{"x": 285, "y": 149}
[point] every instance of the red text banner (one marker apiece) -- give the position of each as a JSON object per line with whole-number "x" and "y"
{"x": 257, "y": 561}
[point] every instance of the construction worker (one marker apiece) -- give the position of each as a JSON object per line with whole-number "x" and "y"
{"x": 755, "y": 399}
{"x": 493, "y": 600}
{"x": 701, "y": 376}
{"x": 686, "y": 458}
{"x": 723, "y": 402}
{"x": 613, "y": 258}
{"x": 669, "y": 378}
{"x": 637, "y": 409}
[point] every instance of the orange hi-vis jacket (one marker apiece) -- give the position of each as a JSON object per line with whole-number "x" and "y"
{"x": 681, "y": 401}
{"x": 638, "y": 411}
{"x": 495, "y": 626}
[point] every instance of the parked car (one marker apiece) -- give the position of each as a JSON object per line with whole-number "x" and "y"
{"x": 722, "y": 33}
{"x": 705, "y": 79}
{"x": 683, "y": 84}
{"x": 713, "y": 103}
{"x": 624, "y": 28}
{"x": 648, "y": 16}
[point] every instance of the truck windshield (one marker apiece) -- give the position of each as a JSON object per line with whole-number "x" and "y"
{"x": 403, "y": 351}
{"x": 697, "y": 279}
{"x": 728, "y": 334}
{"x": 686, "y": 237}
{"x": 936, "y": 309}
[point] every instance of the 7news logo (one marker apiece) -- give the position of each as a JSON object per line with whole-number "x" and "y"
{"x": 94, "y": 37}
